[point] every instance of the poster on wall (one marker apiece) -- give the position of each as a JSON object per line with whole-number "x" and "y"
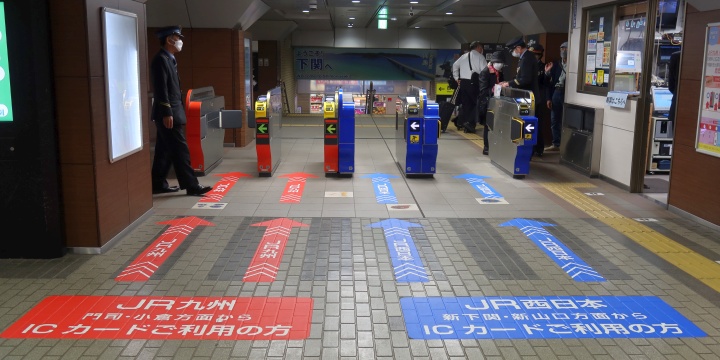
{"x": 122, "y": 83}
{"x": 707, "y": 139}
{"x": 6, "y": 113}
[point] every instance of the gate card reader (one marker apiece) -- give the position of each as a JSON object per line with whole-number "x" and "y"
{"x": 268, "y": 119}
{"x": 417, "y": 139}
{"x": 512, "y": 130}
{"x": 207, "y": 120}
{"x": 339, "y": 135}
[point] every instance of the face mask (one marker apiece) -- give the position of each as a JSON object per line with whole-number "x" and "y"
{"x": 515, "y": 54}
{"x": 498, "y": 66}
{"x": 563, "y": 54}
{"x": 178, "y": 44}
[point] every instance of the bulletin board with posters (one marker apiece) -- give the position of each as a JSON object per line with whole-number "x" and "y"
{"x": 708, "y": 129}
{"x": 595, "y": 60}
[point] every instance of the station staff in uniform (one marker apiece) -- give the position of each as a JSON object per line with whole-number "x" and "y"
{"x": 168, "y": 115}
{"x": 527, "y": 71}
{"x": 466, "y": 71}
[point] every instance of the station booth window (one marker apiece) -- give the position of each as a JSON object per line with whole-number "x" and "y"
{"x": 613, "y": 49}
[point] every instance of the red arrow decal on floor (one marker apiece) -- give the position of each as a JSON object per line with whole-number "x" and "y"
{"x": 155, "y": 255}
{"x": 223, "y": 186}
{"x": 266, "y": 262}
{"x": 295, "y": 187}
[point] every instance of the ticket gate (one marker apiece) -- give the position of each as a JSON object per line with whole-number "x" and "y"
{"x": 417, "y": 138}
{"x": 205, "y": 128}
{"x": 268, "y": 119}
{"x": 512, "y": 130}
{"x": 339, "y": 118}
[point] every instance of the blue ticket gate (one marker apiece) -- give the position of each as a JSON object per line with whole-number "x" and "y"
{"x": 417, "y": 138}
{"x": 512, "y": 130}
{"x": 339, "y": 125}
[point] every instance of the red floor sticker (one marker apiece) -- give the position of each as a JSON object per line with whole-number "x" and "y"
{"x": 295, "y": 186}
{"x": 223, "y": 186}
{"x": 266, "y": 262}
{"x": 165, "y": 318}
{"x": 155, "y": 255}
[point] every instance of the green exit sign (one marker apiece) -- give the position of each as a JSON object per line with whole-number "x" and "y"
{"x": 6, "y": 113}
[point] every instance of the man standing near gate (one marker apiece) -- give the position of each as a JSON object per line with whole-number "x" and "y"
{"x": 168, "y": 114}
{"x": 466, "y": 70}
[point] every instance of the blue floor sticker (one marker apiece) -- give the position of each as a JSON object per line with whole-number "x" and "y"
{"x": 573, "y": 265}
{"x": 406, "y": 262}
{"x": 544, "y": 317}
{"x": 478, "y": 182}
{"x": 384, "y": 193}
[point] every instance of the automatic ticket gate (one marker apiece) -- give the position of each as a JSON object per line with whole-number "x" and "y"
{"x": 417, "y": 140}
{"x": 205, "y": 129}
{"x": 512, "y": 130}
{"x": 339, "y": 118}
{"x": 268, "y": 119}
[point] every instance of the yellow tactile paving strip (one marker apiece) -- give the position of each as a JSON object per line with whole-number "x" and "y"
{"x": 686, "y": 259}
{"x": 474, "y": 138}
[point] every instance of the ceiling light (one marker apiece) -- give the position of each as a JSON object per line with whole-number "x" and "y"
{"x": 355, "y": 1}
{"x": 448, "y": 13}
{"x": 349, "y": 25}
{"x": 306, "y": 11}
{"x": 351, "y": 18}
{"x": 417, "y": 27}
{"x": 393, "y": 18}
{"x": 413, "y": 2}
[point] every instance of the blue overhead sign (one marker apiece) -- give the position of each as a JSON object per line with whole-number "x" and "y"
{"x": 573, "y": 265}
{"x": 384, "y": 193}
{"x": 406, "y": 261}
{"x": 544, "y": 317}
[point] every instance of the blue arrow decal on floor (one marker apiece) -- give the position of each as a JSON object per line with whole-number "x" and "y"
{"x": 478, "y": 182}
{"x": 556, "y": 250}
{"x": 406, "y": 262}
{"x": 384, "y": 193}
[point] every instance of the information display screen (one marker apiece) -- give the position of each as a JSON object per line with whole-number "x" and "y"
{"x": 6, "y": 113}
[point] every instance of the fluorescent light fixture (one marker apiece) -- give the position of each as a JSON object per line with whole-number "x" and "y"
{"x": 393, "y": 18}
{"x": 355, "y": 1}
{"x": 382, "y": 23}
{"x": 417, "y": 27}
{"x": 349, "y": 25}
{"x": 351, "y": 18}
{"x": 306, "y": 11}
{"x": 448, "y": 13}
{"x": 413, "y": 2}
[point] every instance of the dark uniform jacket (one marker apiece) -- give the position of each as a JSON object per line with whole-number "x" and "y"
{"x": 487, "y": 81}
{"x": 527, "y": 73}
{"x": 166, "y": 89}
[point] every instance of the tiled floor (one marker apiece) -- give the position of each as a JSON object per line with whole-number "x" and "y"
{"x": 559, "y": 272}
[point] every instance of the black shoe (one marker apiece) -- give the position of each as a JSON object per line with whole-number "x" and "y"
{"x": 169, "y": 189}
{"x": 486, "y": 151}
{"x": 198, "y": 190}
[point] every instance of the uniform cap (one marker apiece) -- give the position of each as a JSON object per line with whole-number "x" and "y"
{"x": 537, "y": 48}
{"x": 168, "y": 30}
{"x": 518, "y": 41}
{"x": 564, "y": 45}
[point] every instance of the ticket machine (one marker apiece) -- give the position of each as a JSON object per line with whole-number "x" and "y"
{"x": 417, "y": 138}
{"x": 268, "y": 118}
{"x": 207, "y": 120}
{"x": 512, "y": 130}
{"x": 339, "y": 120}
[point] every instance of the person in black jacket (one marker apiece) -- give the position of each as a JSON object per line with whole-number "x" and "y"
{"x": 672, "y": 83}
{"x": 490, "y": 76}
{"x": 555, "y": 92}
{"x": 168, "y": 114}
{"x": 542, "y": 113}
{"x": 527, "y": 72}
